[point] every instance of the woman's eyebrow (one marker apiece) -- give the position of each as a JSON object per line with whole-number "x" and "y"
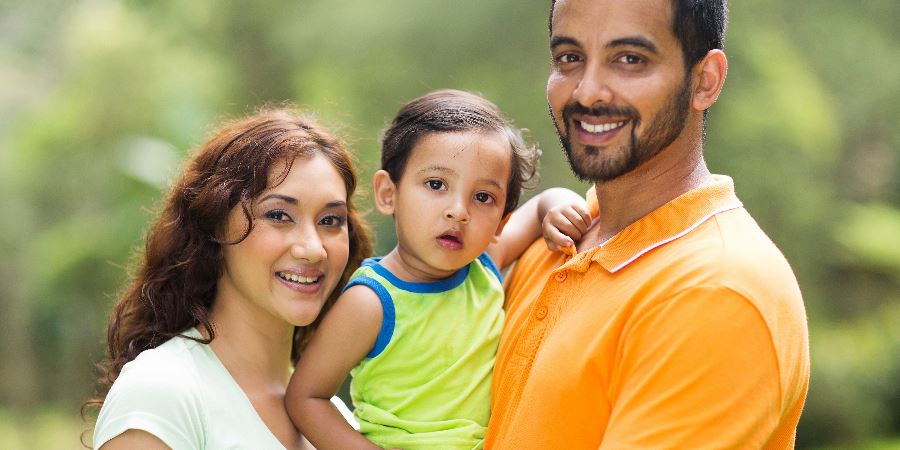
{"x": 283, "y": 197}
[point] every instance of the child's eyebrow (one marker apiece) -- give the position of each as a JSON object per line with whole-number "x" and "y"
{"x": 441, "y": 169}
{"x": 491, "y": 182}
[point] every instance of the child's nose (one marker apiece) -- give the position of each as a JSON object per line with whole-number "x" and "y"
{"x": 457, "y": 212}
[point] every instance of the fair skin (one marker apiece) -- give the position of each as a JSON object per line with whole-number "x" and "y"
{"x": 448, "y": 209}
{"x": 276, "y": 279}
{"x": 624, "y": 54}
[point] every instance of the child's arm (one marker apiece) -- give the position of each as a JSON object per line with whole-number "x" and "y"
{"x": 559, "y": 213}
{"x": 345, "y": 336}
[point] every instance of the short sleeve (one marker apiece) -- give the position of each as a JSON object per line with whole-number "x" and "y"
{"x": 149, "y": 396}
{"x": 697, "y": 370}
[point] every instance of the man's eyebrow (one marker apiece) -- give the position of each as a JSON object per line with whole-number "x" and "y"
{"x": 633, "y": 41}
{"x": 556, "y": 41}
{"x": 285, "y": 198}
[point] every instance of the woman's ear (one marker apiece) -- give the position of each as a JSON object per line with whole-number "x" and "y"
{"x": 710, "y": 77}
{"x": 384, "y": 190}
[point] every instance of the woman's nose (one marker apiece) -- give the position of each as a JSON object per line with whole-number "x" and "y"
{"x": 308, "y": 246}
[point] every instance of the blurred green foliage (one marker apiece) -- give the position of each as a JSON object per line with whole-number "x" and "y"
{"x": 100, "y": 101}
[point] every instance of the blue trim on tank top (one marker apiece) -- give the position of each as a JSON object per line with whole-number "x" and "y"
{"x": 388, "y": 314}
{"x": 489, "y": 263}
{"x": 431, "y": 287}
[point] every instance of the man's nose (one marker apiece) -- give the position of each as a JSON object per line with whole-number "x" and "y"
{"x": 593, "y": 87}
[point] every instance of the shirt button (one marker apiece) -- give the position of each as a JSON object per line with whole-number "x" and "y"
{"x": 560, "y": 276}
{"x": 541, "y": 312}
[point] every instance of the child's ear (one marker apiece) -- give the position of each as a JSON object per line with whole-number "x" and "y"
{"x": 500, "y": 227}
{"x": 384, "y": 191}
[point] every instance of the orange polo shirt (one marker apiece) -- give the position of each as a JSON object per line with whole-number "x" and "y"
{"x": 685, "y": 330}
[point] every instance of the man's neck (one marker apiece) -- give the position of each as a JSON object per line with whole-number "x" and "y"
{"x": 632, "y": 196}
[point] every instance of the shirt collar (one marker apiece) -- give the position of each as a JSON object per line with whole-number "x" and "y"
{"x": 665, "y": 224}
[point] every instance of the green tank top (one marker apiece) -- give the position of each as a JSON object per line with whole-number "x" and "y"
{"x": 427, "y": 381}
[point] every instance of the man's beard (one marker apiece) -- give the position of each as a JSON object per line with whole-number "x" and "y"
{"x": 604, "y": 164}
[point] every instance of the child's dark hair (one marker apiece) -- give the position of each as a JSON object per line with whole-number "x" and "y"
{"x": 448, "y": 111}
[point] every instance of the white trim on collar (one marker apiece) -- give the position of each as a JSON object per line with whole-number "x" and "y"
{"x": 684, "y": 232}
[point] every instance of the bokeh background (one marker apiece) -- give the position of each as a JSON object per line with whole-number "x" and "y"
{"x": 101, "y": 100}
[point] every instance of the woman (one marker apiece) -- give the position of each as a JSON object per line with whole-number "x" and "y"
{"x": 242, "y": 261}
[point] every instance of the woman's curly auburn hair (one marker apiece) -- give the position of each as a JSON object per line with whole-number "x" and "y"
{"x": 175, "y": 282}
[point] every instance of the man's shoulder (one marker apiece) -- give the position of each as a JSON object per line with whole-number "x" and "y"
{"x": 732, "y": 252}
{"x": 730, "y": 246}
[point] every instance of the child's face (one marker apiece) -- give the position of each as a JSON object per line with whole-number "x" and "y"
{"x": 449, "y": 202}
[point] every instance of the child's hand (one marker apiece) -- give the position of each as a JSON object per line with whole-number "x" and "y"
{"x": 564, "y": 225}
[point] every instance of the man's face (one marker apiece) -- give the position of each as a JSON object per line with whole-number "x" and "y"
{"x": 618, "y": 90}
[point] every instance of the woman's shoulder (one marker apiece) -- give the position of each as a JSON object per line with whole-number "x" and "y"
{"x": 173, "y": 363}
{"x": 158, "y": 392}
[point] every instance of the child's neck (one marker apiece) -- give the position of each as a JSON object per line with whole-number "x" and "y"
{"x": 408, "y": 268}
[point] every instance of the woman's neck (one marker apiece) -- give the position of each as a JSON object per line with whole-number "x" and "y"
{"x": 255, "y": 347}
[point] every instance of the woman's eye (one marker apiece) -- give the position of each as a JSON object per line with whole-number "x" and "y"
{"x": 483, "y": 197}
{"x": 277, "y": 215}
{"x": 435, "y": 185}
{"x": 333, "y": 221}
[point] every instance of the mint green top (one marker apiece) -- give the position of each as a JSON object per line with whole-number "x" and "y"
{"x": 427, "y": 381}
{"x": 181, "y": 393}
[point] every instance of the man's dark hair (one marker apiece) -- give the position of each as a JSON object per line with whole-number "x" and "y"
{"x": 699, "y": 25}
{"x": 449, "y": 111}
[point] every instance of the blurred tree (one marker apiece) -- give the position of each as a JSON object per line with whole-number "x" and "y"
{"x": 101, "y": 99}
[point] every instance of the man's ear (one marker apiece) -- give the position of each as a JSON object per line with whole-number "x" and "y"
{"x": 710, "y": 78}
{"x": 384, "y": 190}
{"x": 500, "y": 227}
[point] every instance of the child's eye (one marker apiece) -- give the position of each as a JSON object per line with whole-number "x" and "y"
{"x": 483, "y": 197}
{"x": 333, "y": 220}
{"x": 435, "y": 185}
{"x": 277, "y": 215}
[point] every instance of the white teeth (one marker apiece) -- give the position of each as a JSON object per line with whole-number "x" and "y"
{"x": 297, "y": 278}
{"x": 602, "y": 128}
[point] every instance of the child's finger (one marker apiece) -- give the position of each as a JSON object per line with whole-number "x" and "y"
{"x": 568, "y": 222}
{"x": 576, "y": 219}
{"x": 555, "y": 239}
{"x": 582, "y": 211}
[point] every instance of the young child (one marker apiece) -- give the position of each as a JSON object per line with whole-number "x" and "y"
{"x": 418, "y": 329}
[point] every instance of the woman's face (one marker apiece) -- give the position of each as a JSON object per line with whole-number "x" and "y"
{"x": 296, "y": 253}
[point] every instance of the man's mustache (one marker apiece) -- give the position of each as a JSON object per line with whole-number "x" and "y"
{"x": 599, "y": 111}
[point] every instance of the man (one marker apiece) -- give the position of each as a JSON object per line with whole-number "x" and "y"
{"x": 679, "y": 324}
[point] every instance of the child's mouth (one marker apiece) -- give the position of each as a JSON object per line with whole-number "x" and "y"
{"x": 450, "y": 241}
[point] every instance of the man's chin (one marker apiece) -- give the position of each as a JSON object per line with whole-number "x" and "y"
{"x": 592, "y": 163}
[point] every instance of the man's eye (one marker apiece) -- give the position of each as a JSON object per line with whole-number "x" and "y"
{"x": 567, "y": 58}
{"x": 435, "y": 184}
{"x": 483, "y": 197}
{"x": 277, "y": 215}
{"x": 631, "y": 59}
